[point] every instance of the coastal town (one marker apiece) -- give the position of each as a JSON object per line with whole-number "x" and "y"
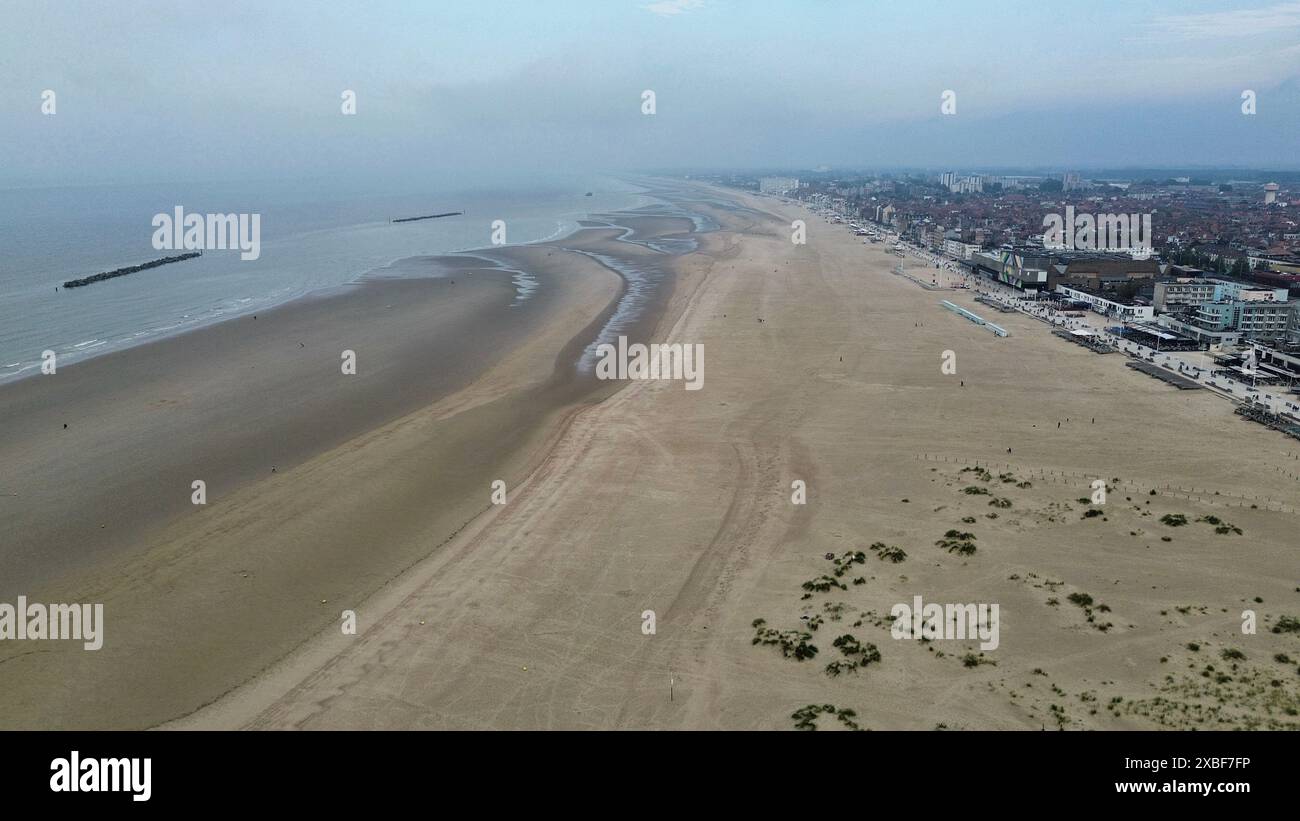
{"x": 1205, "y": 300}
{"x": 1000, "y": 433}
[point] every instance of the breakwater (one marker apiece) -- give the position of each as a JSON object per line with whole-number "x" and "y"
{"x": 429, "y": 217}
{"x": 131, "y": 269}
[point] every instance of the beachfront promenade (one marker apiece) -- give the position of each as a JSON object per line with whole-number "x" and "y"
{"x": 1193, "y": 365}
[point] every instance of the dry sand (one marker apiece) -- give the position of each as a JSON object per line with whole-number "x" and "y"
{"x": 824, "y": 367}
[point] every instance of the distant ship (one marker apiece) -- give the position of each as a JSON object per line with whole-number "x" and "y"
{"x": 588, "y": 194}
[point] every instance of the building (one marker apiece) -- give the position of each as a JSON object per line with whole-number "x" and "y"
{"x": 937, "y": 239}
{"x": 1282, "y": 367}
{"x": 1276, "y": 263}
{"x": 777, "y": 185}
{"x": 1231, "y": 321}
{"x": 1110, "y": 305}
{"x": 1263, "y": 319}
{"x": 957, "y": 249}
{"x": 1159, "y": 337}
{"x": 962, "y": 183}
{"x": 1094, "y": 273}
{"x": 1170, "y": 296}
{"x": 1024, "y": 268}
{"x": 1270, "y": 193}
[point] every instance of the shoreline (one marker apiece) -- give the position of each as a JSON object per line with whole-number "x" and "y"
{"x": 261, "y": 397}
{"x": 568, "y": 226}
{"x": 241, "y": 705}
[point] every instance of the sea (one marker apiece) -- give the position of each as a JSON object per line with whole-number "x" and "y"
{"x": 315, "y": 236}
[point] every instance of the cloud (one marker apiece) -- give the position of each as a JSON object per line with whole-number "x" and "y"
{"x": 1221, "y": 24}
{"x": 668, "y": 8}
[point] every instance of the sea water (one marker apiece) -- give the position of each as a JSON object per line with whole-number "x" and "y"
{"x": 314, "y": 236}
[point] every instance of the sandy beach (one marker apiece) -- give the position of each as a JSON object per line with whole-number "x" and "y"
{"x": 824, "y": 367}
{"x": 463, "y": 375}
{"x": 642, "y": 500}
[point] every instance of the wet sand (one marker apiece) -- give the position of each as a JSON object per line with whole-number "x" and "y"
{"x": 321, "y": 487}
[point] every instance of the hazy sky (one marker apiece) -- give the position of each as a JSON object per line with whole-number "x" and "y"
{"x": 478, "y": 89}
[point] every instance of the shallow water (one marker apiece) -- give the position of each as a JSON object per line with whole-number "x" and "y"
{"x": 312, "y": 238}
